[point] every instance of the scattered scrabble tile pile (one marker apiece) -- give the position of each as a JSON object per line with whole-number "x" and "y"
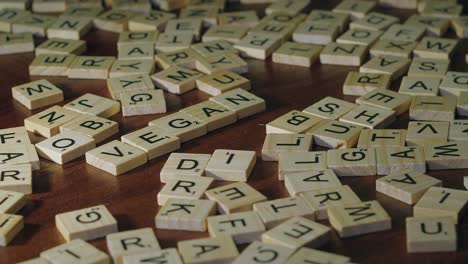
{"x": 204, "y": 47}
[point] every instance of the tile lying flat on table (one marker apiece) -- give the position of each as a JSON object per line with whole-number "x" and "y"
{"x": 243, "y": 227}
{"x": 420, "y": 133}
{"x": 70, "y": 27}
{"x": 429, "y": 67}
{"x": 275, "y": 212}
{"x": 184, "y": 187}
{"x": 65, "y": 147}
{"x": 90, "y": 67}
{"x": 293, "y": 122}
{"x": 51, "y": 64}
{"x": 182, "y": 125}
{"x": 310, "y": 32}
{"x": 127, "y": 67}
{"x": 12, "y": 201}
{"x": 136, "y": 103}
{"x": 61, "y": 46}
{"x": 352, "y": 162}
{"x": 360, "y": 83}
{"x": 293, "y": 162}
{"x": 222, "y": 81}
{"x": 113, "y": 20}
{"x": 343, "y": 54}
{"x": 118, "y": 85}
{"x": 16, "y": 178}
{"x": 176, "y": 79}
{"x": 275, "y": 144}
{"x": 223, "y": 250}
{"x": 356, "y": 9}
{"x": 11, "y": 226}
{"x": 258, "y": 46}
{"x": 448, "y": 155}
{"x": 369, "y": 116}
{"x": 184, "y": 164}
{"x": 47, "y": 122}
{"x": 375, "y": 21}
{"x": 185, "y": 214}
{"x": 235, "y": 197}
{"x": 394, "y": 66}
{"x": 170, "y": 255}
{"x": 240, "y": 101}
{"x": 430, "y": 234}
{"x": 375, "y": 138}
{"x": 433, "y": 26}
{"x": 94, "y": 127}
{"x": 426, "y": 86}
{"x": 37, "y": 94}
{"x": 335, "y": 134}
{"x": 12, "y": 43}
{"x": 437, "y": 48}
{"x": 306, "y": 255}
{"x": 263, "y": 252}
{"x": 14, "y": 135}
{"x": 95, "y": 105}
{"x": 231, "y": 165}
{"x": 131, "y": 242}
{"x": 386, "y": 99}
{"x": 330, "y": 108}
{"x": 432, "y": 108}
{"x": 73, "y": 251}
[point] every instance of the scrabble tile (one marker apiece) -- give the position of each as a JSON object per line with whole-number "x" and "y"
{"x": 453, "y": 84}
{"x": 306, "y": 255}
{"x": 15, "y": 4}
{"x": 208, "y": 14}
{"x": 406, "y": 185}
{"x": 298, "y": 232}
{"x": 65, "y": 147}
{"x": 258, "y": 46}
{"x": 443, "y": 10}
{"x": 16, "y": 178}
{"x": 335, "y": 134}
{"x": 243, "y": 227}
{"x": 137, "y": 82}
{"x": 330, "y": 108}
{"x": 214, "y": 47}
{"x": 432, "y": 108}
{"x": 47, "y": 122}
{"x": 222, "y": 81}
{"x": 176, "y": 79}
{"x": 113, "y": 20}
{"x": 87, "y": 224}
{"x": 465, "y": 182}
{"x": 369, "y": 116}
{"x": 51, "y": 64}
{"x": 79, "y": 10}
{"x": 428, "y": 67}
{"x": 375, "y": 21}
{"x": 212, "y": 114}
{"x": 326, "y": 17}
{"x": 355, "y": 8}
{"x": 299, "y": 54}
{"x": 11, "y": 225}
{"x": 131, "y": 242}
{"x": 8, "y": 16}
{"x": 12, "y": 43}
{"x": 247, "y": 18}
{"x": 312, "y": 32}
{"x": 90, "y": 67}
{"x": 167, "y": 5}
{"x": 153, "y": 20}
{"x": 34, "y": 261}
{"x": 399, "y": 32}
{"x": 17, "y": 154}
{"x": 352, "y": 162}
{"x": 291, "y": 7}
{"x": 152, "y": 140}
{"x": 439, "y": 201}
{"x": 299, "y": 182}
{"x": 293, "y": 122}
{"x": 462, "y": 104}
{"x": 185, "y": 25}
{"x": 433, "y": 26}
{"x": 14, "y": 135}
{"x": 184, "y": 164}
{"x": 208, "y": 250}
{"x": 70, "y": 27}
{"x": 240, "y": 101}
{"x": 45, "y": 6}
{"x": 185, "y": 214}
{"x": 430, "y": 234}
{"x": 220, "y": 4}
{"x": 94, "y": 127}
{"x": 458, "y": 130}
{"x": 61, "y": 46}
{"x": 394, "y": 66}
{"x": 359, "y": 36}
{"x": 275, "y": 144}
{"x": 75, "y": 251}
{"x": 359, "y": 218}
{"x": 94, "y": 105}
{"x": 136, "y": 6}
{"x": 170, "y": 255}
{"x": 450, "y": 155}
{"x": 420, "y": 133}
{"x": 396, "y": 48}
{"x": 376, "y": 138}
{"x": 394, "y": 159}
{"x": 420, "y": 86}
{"x": 11, "y": 202}
{"x": 268, "y": 27}
{"x": 127, "y": 67}
{"x": 343, "y": 54}
{"x": 139, "y": 37}
{"x": 225, "y": 61}
{"x": 275, "y": 212}
{"x": 282, "y": 17}
{"x": 136, "y": 51}
{"x": 37, "y": 94}
{"x": 136, "y": 103}
{"x": 386, "y": 99}
{"x": 184, "y": 57}
{"x": 460, "y": 26}
{"x": 181, "y": 125}
{"x": 34, "y": 23}
{"x": 291, "y": 163}
{"x": 231, "y": 165}
{"x": 435, "y": 48}
{"x": 258, "y": 252}
{"x": 227, "y": 32}
{"x": 235, "y": 197}
{"x": 116, "y": 157}
{"x": 322, "y": 199}
{"x": 184, "y": 187}
{"x": 360, "y": 83}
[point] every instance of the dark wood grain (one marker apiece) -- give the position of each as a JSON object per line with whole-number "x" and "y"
{"x": 132, "y": 196}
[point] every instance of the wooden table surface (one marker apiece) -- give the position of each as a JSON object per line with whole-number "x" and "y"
{"x": 131, "y": 197}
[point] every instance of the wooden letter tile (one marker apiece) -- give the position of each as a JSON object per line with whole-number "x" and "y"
{"x": 143, "y": 102}
{"x": 258, "y": 46}
{"x": 94, "y": 127}
{"x": 430, "y": 234}
{"x": 453, "y": 84}
{"x": 376, "y": 138}
{"x": 138, "y": 37}
{"x": 298, "y": 232}
{"x": 184, "y": 164}
{"x": 185, "y": 214}
{"x": 221, "y": 82}
{"x": 65, "y": 147}
{"x": 181, "y": 125}
{"x": 432, "y": 108}
{"x": 462, "y": 104}
{"x": 311, "y": 180}
{"x": 113, "y": 20}
{"x": 220, "y": 249}
{"x": 309, "y": 255}
{"x": 87, "y": 224}
{"x": 433, "y": 26}
{"x": 11, "y": 202}
{"x": 458, "y": 130}
{"x": 230, "y": 33}
{"x": 176, "y": 79}
{"x": 258, "y": 252}
{"x": 240, "y": 101}
{"x": 214, "y": 47}
{"x": 185, "y": 25}
{"x": 394, "y": 66}
{"x": 224, "y": 61}
{"x": 75, "y": 251}
{"x": 293, "y": 122}
{"x": 359, "y": 218}
{"x": 299, "y": 54}
{"x": 184, "y": 187}
{"x": 144, "y": 51}
{"x": 359, "y": 36}
{"x": 243, "y": 227}
{"x": 275, "y": 212}
{"x": 395, "y": 48}
{"x": 131, "y": 243}
{"x": 16, "y": 43}
{"x": 61, "y": 46}
{"x": 47, "y": 122}
{"x": 318, "y": 33}
{"x": 231, "y": 165}
{"x": 406, "y": 185}
{"x": 293, "y": 162}
{"x": 325, "y": 17}
{"x": 330, "y": 108}
{"x": 17, "y": 178}
{"x": 90, "y": 67}
{"x": 355, "y": 8}
{"x": 246, "y": 18}
{"x": 70, "y": 27}
{"x": 420, "y": 133}
{"x": 168, "y": 255}
{"x": 118, "y": 85}
{"x": 343, "y": 54}
{"x": 420, "y": 86}
{"x": 184, "y": 58}
{"x": 14, "y": 135}
{"x": 395, "y": 159}
{"x": 428, "y": 67}
{"x": 51, "y": 64}
{"x": 116, "y": 157}
{"x": 235, "y": 197}
{"x": 37, "y": 94}
{"x": 399, "y": 32}
{"x": 94, "y": 105}
{"x": 436, "y": 48}
{"x": 386, "y": 99}
{"x": 360, "y": 83}
{"x": 369, "y": 116}
{"x": 212, "y": 114}
{"x": 375, "y": 21}
{"x": 352, "y": 162}
{"x": 10, "y": 226}
{"x": 36, "y": 24}
{"x": 127, "y": 67}
{"x": 16, "y": 154}
{"x": 275, "y": 144}
{"x": 439, "y": 201}
{"x": 335, "y": 134}
{"x": 173, "y": 41}
{"x": 450, "y": 155}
